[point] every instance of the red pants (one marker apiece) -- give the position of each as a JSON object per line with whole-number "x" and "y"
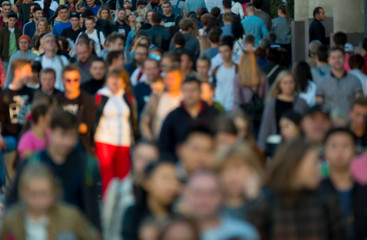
{"x": 114, "y": 162}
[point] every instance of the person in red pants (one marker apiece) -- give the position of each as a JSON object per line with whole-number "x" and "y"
{"x": 116, "y": 121}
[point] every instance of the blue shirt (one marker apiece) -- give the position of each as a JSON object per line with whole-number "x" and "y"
{"x": 59, "y": 27}
{"x": 95, "y": 9}
{"x": 29, "y": 29}
{"x": 194, "y": 5}
{"x": 255, "y": 26}
{"x": 227, "y": 30}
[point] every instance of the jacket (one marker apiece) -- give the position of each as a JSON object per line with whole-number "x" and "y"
{"x": 5, "y": 42}
{"x": 268, "y": 123}
{"x": 63, "y": 220}
{"x": 160, "y": 37}
{"x": 317, "y": 32}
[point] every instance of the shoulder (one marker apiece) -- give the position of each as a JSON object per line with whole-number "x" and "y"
{"x": 239, "y": 228}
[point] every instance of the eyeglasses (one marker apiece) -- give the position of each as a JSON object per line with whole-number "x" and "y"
{"x": 72, "y": 80}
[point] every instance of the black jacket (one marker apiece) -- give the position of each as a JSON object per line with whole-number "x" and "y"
{"x": 178, "y": 123}
{"x": 160, "y": 37}
{"x": 359, "y": 204}
{"x": 317, "y": 32}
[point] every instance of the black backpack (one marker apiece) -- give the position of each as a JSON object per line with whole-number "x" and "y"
{"x": 254, "y": 108}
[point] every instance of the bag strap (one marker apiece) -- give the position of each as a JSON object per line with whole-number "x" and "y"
{"x": 60, "y": 60}
{"x": 272, "y": 71}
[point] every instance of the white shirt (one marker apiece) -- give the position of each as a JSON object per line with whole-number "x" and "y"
{"x": 114, "y": 126}
{"x": 310, "y": 95}
{"x": 134, "y": 79}
{"x": 54, "y": 5}
{"x": 214, "y": 3}
{"x": 56, "y": 63}
{"x": 362, "y": 77}
{"x": 224, "y": 90}
{"x": 36, "y": 230}
{"x": 238, "y": 9}
{"x": 97, "y": 42}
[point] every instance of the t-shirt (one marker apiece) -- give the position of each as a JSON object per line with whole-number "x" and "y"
{"x": 56, "y": 63}
{"x": 171, "y": 21}
{"x": 225, "y": 86}
{"x": 12, "y": 43}
{"x": 60, "y": 27}
{"x": 36, "y": 229}
{"x": 142, "y": 93}
{"x": 70, "y": 33}
{"x": 95, "y": 9}
{"x": 29, "y": 141}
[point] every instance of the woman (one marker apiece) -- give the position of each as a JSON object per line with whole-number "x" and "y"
{"x": 290, "y": 126}
{"x": 72, "y": 5}
{"x": 134, "y": 27}
{"x": 161, "y": 186}
{"x": 105, "y": 14}
{"x": 292, "y": 206}
{"x": 250, "y": 87}
{"x": 282, "y": 98}
{"x": 41, "y": 29}
{"x": 115, "y": 127}
{"x": 302, "y": 75}
{"x": 281, "y": 26}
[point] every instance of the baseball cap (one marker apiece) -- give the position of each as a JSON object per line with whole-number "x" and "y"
{"x": 74, "y": 15}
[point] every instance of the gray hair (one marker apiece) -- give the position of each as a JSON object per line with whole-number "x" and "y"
{"x": 314, "y": 46}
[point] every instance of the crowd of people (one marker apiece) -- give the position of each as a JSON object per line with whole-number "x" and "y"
{"x": 178, "y": 120}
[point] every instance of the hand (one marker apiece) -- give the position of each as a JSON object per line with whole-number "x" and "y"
{"x": 83, "y": 128}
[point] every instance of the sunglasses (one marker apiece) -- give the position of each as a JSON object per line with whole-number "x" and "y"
{"x": 72, "y": 80}
{"x": 155, "y": 57}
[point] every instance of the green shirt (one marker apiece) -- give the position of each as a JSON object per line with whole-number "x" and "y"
{"x": 12, "y": 44}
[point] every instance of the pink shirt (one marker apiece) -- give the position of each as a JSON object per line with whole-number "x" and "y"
{"x": 29, "y": 141}
{"x": 359, "y": 168}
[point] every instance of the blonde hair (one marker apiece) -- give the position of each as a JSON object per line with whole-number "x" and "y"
{"x": 250, "y": 74}
{"x": 275, "y": 89}
{"x": 109, "y": 18}
{"x": 44, "y": 20}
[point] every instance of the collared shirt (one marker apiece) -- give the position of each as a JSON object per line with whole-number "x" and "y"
{"x": 338, "y": 93}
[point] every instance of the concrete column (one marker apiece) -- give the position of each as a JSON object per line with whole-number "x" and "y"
{"x": 300, "y": 10}
{"x": 349, "y": 16}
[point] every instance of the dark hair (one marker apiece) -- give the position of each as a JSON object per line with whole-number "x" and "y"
{"x": 257, "y": 3}
{"x": 340, "y": 39}
{"x": 39, "y": 111}
{"x": 364, "y": 44}
{"x": 227, "y": 4}
{"x": 237, "y": 30}
{"x": 48, "y": 70}
{"x": 180, "y": 220}
{"x": 227, "y": 17}
{"x": 114, "y": 36}
{"x": 167, "y": 2}
{"x": 302, "y": 74}
{"x": 97, "y": 59}
{"x": 36, "y": 66}
{"x": 285, "y": 10}
{"x": 198, "y": 129}
{"x": 153, "y": 166}
{"x": 250, "y": 39}
{"x": 189, "y": 80}
{"x": 64, "y": 120}
{"x": 336, "y": 49}
{"x": 272, "y": 37}
{"x": 112, "y": 56}
{"x": 87, "y": 13}
{"x": 46, "y": 7}
{"x": 187, "y": 23}
{"x": 156, "y": 18}
{"x": 227, "y": 41}
{"x": 179, "y": 39}
{"x": 323, "y": 53}
{"x": 356, "y": 61}
{"x": 214, "y": 35}
{"x": 362, "y": 101}
{"x": 205, "y": 59}
{"x": 293, "y": 116}
{"x": 215, "y": 12}
{"x": 224, "y": 124}
{"x": 36, "y": 8}
{"x": 316, "y": 11}
{"x": 56, "y": 14}
{"x": 13, "y": 15}
{"x": 90, "y": 18}
{"x": 343, "y": 130}
{"x": 69, "y": 68}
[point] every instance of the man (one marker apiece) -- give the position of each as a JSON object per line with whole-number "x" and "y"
{"x": 227, "y": 24}
{"x": 203, "y": 68}
{"x": 169, "y": 19}
{"x": 194, "y": 5}
{"x": 84, "y": 59}
{"x": 338, "y": 89}
{"x": 254, "y": 25}
{"x": 357, "y": 116}
{"x": 339, "y": 41}
{"x": 64, "y": 22}
{"x": 227, "y": 8}
{"x": 135, "y": 67}
{"x": 98, "y": 72}
{"x": 16, "y": 100}
{"x": 143, "y": 90}
{"x": 73, "y": 32}
{"x": 24, "y": 52}
{"x": 187, "y": 64}
{"x": 121, "y": 26}
{"x": 340, "y": 150}
{"x": 178, "y": 122}
{"x": 115, "y": 42}
{"x": 356, "y": 63}
{"x": 224, "y": 75}
{"x": 47, "y": 81}
{"x": 158, "y": 107}
{"x": 94, "y": 34}
{"x": 203, "y": 197}
{"x": 213, "y": 39}
{"x": 322, "y": 67}
{"x": 91, "y": 4}
{"x": 79, "y": 103}
{"x": 101, "y": 24}
{"x": 4, "y": 19}
{"x": 170, "y": 61}
{"x": 160, "y": 37}
{"x": 312, "y": 50}
{"x": 317, "y": 29}
{"x": 9, "y": 39}
{"x": 51, "y": 60}
{"x": 261, "y": 14}
{"x": 115, "y": 60}
{"x": 316, "y": 123}
{"x": 30, "y": 27}
{"x": 77, "y": 174}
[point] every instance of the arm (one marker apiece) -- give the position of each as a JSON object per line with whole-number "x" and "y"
{"x": 264, "y": 30}
{"x": 265, "y": 127}
{"x": 320, "y": 93}
{"x": 237, "y": 94}
{"x": 166, "y": 143}
{"x": 147, "y": 117}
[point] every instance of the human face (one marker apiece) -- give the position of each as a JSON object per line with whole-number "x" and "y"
{"x": 315, "y": 127}
{"x": 115, "y": 84}
{"x": 119, "y": 62}
{"x": 117, "y": 45}
{"x": 186, "y": 63}
{"x": 322, "y": 15}
{"x": 151, "y": 69}
{"x": 132, "y": 17}
{"x": 89, "y": 25}
{"x": 197, "y": 152}
{"x": 63, "y": 14}
{"x": 38, "y": 15}
{"x": 140, "y": 54}
{"x": 203, "y": 196}
{"x": 226, "y": 53}
{"x": 23, "y": 74}
{"x": 340, "y": 151}
{"x": 166, "y": 64}
{"x": 63, "y": 141}
{"x": 98, "y": 70}
{"x": 74, "y": 22}
{"x": 104, "y": 14}
{"x": 90, "y": 3}
{"x": 191, "y": 94}
{"x": 6, "y": 10}
{"x": 307, "y": 174}
{"x": 42, "y": 27}
{"x": 358, "y": 115}
{"x": 127, "y": 4}
{"x": 336, "y": 60}
{"x": 167, "y": 8}
{"x": 163, "y": 185}
{"x": 150, "y": 17}
{"x": 38, "y": 195}
{"x": 71, "y": 81}
{"x": 179, "y": 231}
{"x": 11, "y": 22}
{"x": 121, "y": 15}
{"x": 24, "y": 45}
{"x": 142, "y": 155}
{"x": 83, "y": 53}
{"x": 202, "y": 68}
{"x": 287, "y": 85}
{"x": 47, "y": 81}
{"x": 173, "y": 81}
{"x": 288, "y": 129}
{"x": 233, "y": 177}
{"x": 49, "y": 44}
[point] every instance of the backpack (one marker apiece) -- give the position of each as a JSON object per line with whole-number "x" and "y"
{"x": 254, "y": 108}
